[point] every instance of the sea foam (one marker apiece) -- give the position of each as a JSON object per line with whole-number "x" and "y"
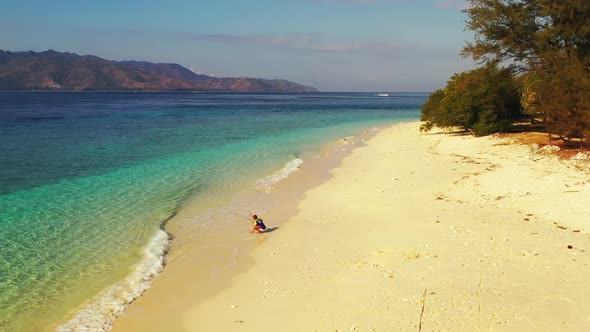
{"x": 291, "y": 167}
{"x": 100, "y": 314}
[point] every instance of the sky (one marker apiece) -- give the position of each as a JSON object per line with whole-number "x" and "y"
{"x": 333, "y": 45}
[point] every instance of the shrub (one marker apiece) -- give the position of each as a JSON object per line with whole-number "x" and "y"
{"x": 484, "y": 100}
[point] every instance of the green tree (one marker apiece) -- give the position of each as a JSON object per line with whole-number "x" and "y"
{"x": 430, "y": 113}
{"x": 483, "y": 100}
{"x": 524, "y": 32}
{"x": 565, "y": 97}
{"x": 505, "y": 30}
{"x": 548, "y": 39}
{"x": 530, "y": 85}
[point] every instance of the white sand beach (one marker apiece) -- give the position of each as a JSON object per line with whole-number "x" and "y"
{"x": 430, "y": 232}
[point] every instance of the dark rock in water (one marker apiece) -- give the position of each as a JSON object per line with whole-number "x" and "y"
{"x": 51, "y": 70}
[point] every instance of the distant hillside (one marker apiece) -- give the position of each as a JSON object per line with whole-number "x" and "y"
{"x": 69, "y": 71}
{"x": 170, "y": 69}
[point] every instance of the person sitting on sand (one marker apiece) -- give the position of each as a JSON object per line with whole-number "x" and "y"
{"x": 258, "y": 225}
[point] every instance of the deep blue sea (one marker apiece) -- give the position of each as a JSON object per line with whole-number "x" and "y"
{"x": 87, "y": 179}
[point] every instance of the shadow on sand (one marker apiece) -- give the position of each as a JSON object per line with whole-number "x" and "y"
{"x": 271, "y": 229}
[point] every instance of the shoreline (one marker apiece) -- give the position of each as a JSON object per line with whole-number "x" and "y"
{"x": 460, "y": 225}
{"x": 89, "y": 225}
{"x": 191, "y": 232}
{"x": 448, "y": 225}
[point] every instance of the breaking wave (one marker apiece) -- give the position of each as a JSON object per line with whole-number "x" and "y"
{"x": 291, "y": 167}
{"x": 100, "y": 314}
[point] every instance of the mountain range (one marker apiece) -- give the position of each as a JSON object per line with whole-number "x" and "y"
{"x": 52, "y": 70}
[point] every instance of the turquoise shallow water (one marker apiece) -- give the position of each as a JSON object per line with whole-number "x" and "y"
{"x": 86, "y": 179}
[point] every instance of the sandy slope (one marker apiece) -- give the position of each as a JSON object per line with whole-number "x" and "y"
{"x": 470, "y": 225}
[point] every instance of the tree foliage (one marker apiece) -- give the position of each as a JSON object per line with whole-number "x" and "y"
{"x": 564, "y": 89}
{"x": 530, "y": 85}
{"x": 549, "y": 41}
{"x": 523, "y": 32}
{"x": 483, "y": 100}
{"x": 504, "y": 30}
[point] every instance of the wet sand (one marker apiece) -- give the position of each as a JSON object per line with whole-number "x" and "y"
{"x": 211, "y": 243}
{"x": 410, "y": 232}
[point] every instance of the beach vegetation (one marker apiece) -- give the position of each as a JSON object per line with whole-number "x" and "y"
{"x": 544, "y": 45}
{"x": 530, "y": 85}
{"x": 564, "y": 97}
{"x": 548, "y": 41}
{"x": 483, "y": 101}
{"x": 430, "y": 110}
{"x": 522, "y": 33}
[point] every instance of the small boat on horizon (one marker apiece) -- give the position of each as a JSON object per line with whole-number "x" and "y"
{"x": 383, "y": 95}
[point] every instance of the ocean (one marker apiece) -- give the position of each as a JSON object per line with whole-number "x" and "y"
{"x": 89, "y": 179}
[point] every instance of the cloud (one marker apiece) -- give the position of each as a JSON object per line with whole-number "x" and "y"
{"x": 303, "y": 42}
{"x": 331, "y": 63}
{"x": 454, "y": 4}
